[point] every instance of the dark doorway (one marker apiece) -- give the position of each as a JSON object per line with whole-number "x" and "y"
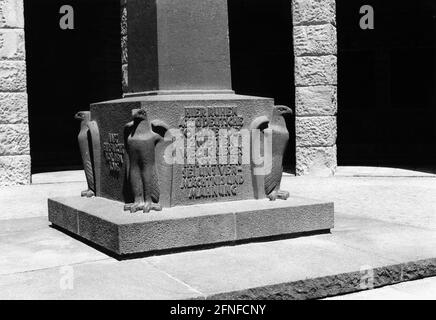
{"x": 261, "y": 51}
{"x": 66, "y": 71}
{"x": 386, "y": 82}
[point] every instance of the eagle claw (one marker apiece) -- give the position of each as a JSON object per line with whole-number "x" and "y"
{"x": 280, "y": 194}
{"x": 88, "y": 194}
{"x": 145, "y": 207}
{"x": 134, "y": 207}
{"x": 152, "y": 206}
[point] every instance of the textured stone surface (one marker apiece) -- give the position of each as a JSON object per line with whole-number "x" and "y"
{"x": 317, "y": 161}
{"x": 315, "y": 40}
{"x": 421, "y": 289}
{"x": 315, "y": 49}
{"x": 178, "y": 46}
{"x": 11, "y": 14}
{"x": 41, "y": 249}
{"x": 103, "y": 222}
{"x": 28, "y": 201}
{"x": 107, "y": 280}
{"x": 14, "y": 139}
{"x": 315, "y": 131}
{"x": 316, "y": 101}
{"x": 313, "y": 11}
{"x": 334, "y": 285}
{"x": 394, "y": 233}
{"x": 170, "y": 109}
{"x": 124, "y": 52}
{"x": 14, "y": 170}
{"x": 125, "y": 77}
{"x": 12, "y": 76}
{"x": 13, "y": 108}
{"x": 14, "y": 132}
{"x": 123, "y": 20}
{"x": 315, "y": 70}
{"x": 12, "y": 44}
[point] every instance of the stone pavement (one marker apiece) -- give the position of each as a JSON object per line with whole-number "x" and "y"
{"x": 385, "y": 226}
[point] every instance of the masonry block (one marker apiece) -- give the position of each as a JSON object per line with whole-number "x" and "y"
{"x": 315, "y": 131}
{"x": 316, "y": 101}
{"x": 316, "y": 161}
{"x": 14, "y": 139}
{"x": 313, "y": 71}
{"x": 104, "y": 223}
{"x": 125, "y": 77}
{"x": 313, "y": 11}
{"x": 123, "y": 21}
{"x": 12, "y": 44}
{"x": 124, "y": 51}
{"x": 12, "y": 76}
{"x": 315, "y": 40}
{"x": 11, "y": 14}
{"x": 14, "y": 170}
{"x": 13, "y": 107}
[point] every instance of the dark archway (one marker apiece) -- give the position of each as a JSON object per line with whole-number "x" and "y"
{"x": 66, "y": 71}
{"x": 261, "y": 51}
{"x": 386, "y": 84}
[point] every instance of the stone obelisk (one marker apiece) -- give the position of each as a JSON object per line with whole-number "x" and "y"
{"x": 178, "y": 47}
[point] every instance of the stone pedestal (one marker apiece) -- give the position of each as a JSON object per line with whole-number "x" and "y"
{"x": 104, "y": 223}
{"x": 171, "y": 111}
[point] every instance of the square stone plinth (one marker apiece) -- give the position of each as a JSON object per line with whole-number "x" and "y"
{"x": 104, "y": 223}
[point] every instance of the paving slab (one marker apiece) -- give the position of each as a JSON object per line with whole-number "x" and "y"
{"x": 31, "y": 201}
{"x": 302, "y": 268}
{"x": 358, "y": 171}
{"x": 403, "y": 200}
{"x": 384, "y": 223}
{"x": 98, "y": 280}
{"x": 400, "y": 243}
{"x": 59, "y": 177}
{"x": 23, "y": 224}
{"x": 44, "y": 248}
{"x": 266, "y": 270}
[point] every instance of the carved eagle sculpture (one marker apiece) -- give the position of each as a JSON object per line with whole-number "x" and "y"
{"x": 89, "y": 143}
{"x": 280, "y": 138}
{"x": 142, "y": 175}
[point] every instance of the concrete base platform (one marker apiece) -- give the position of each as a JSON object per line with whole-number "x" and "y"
{"x": 104, "y": 223}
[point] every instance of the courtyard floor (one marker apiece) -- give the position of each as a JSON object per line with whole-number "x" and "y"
{"x": 385, "y": 233}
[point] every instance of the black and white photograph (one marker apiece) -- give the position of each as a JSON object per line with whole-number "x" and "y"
{"x": 217, "y": 154}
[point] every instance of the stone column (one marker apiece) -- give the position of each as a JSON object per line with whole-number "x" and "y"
{"x": 14, "y": 129}
{"x": 315, "y": 49}
{"x": 124, "y": 53}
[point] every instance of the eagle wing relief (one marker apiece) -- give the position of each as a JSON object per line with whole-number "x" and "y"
{"x": 267, "y": 180}
{"x": 280, "y": 139}
{"x": 94, "y": 135}
{"x": 127, "y": 131}
{"x": 89, "y": 143}
{"x": 160, "y": 129}
{"x": 257, "y": 149}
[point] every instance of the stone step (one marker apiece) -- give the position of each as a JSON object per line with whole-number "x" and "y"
{"x": 104, "y": 223}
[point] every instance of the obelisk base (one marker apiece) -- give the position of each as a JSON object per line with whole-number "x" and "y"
{"x": 104, "y": 223}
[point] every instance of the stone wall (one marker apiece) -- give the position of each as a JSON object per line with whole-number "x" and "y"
{"x": 14, "y": 129}
{"x": 124, "y": 56}
{"x": 315, "y": 50}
